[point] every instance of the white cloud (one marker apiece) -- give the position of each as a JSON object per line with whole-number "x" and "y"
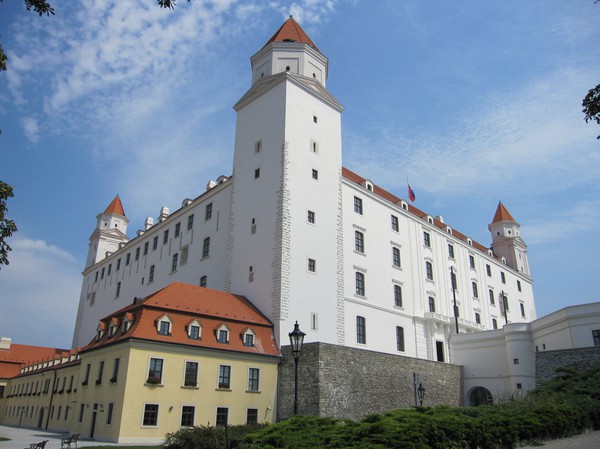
{"x": 32, "y": 129}
{"x": 40, "y": 294}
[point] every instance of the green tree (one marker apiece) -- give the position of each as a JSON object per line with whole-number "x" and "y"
{"x": 591, "y": 105}
{"x": 7, "y": 227}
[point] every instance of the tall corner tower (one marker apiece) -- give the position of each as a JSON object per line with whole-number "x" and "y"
{"x": 507, "y": 242}
{"x": 285, "y": 244}
{"x": 110, "y": 232}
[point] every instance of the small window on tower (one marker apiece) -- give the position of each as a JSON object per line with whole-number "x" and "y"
{"x": 315, "y": 174}
{"x": 257, "y": 173}
{"x": 314, "y": 116}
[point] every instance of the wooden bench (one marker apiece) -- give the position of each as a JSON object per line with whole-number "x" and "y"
{"x": 69, "y": 441}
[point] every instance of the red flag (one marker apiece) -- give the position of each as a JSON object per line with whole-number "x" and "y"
{"x": 411, "y": 193}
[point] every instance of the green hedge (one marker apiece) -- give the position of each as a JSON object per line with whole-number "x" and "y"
{"x": 564, "y": 406}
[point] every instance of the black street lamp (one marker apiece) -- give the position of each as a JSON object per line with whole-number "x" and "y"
{"x": 421, "y": 393}
{"x": 296, "y": 340}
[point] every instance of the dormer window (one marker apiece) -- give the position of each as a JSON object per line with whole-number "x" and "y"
{"x": 194, "y": 330}
{"x": 248, "y": 338}
{"x": 112, "y": 329}
{"x": 127, "y": 322}
{"x": 163, "y": 326}
{"x": 222, "y": 334}
{"x": 100, "y": 331}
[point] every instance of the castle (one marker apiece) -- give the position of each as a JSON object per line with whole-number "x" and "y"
{"x": 307, "y": 240}
{"x": 187, "y": 322}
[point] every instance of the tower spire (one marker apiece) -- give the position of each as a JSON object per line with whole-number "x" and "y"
{"x": 110, "y": 232}
{"x": 506, "y": 240}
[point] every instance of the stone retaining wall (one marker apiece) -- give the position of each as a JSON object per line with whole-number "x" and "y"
{"x": 546, "y": 362}
{"x": 342, "y": 382}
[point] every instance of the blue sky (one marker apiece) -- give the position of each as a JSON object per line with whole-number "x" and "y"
{"x": 475, "y": 101}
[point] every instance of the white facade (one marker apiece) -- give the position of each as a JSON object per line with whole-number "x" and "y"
{"x": 283, "y": 232}
{"x": 503, "y": 361}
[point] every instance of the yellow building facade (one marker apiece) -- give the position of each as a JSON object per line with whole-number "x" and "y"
{"x": 155, "y": 367}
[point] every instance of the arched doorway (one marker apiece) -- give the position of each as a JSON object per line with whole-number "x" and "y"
{"x": 41, "y": 417}
{"x": 479, "y": 396}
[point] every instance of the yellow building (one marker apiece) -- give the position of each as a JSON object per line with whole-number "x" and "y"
{"x": 183, "y": 356}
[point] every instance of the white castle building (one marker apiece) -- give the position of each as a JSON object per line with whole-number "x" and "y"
{"x": 305, "y": 239}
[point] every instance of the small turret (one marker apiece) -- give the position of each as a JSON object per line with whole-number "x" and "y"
{"x": 110, "y": 232}
{"x": 506, "y": 240}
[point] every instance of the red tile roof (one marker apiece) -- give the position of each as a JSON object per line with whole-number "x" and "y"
{"x": 183, "y": 303}
{"x": 12, "y": 359}
{"x": 351, "y": 176}
{"x": 502, "y": 214}
{"x": 290, "y": 31}
{"x": 115, "y": 207}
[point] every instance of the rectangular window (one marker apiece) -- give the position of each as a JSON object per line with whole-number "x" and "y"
{"x": 222, "y": 336}
{"x": 360, "y": 283}
{"x": 174, "y": 263}
{"x": 450, "y": 251}
{"x": 439, "y": 349}
{"x": 257, "y": 173}
{"x": 109, "y": 269}
{"x": 86, "y": 378}
{"x": 249, "y": 340}
{"x": 187, "y": 415}
{"x": 397, "y": 296}
{"x": 127, "y": 258}
{"x": 165, "y": 237}
{"x": 518, "y": 285}
{"x": 396, "y": 257}
{"x": 426, "y": 239}
{"x": 118, "y": 289}
{"x": 81, "y": 410}
{"x": 429, "y": 270}
{"x": 154, "y": 243}
{"x": 224, "y": 376}
{"x": 118, "y": 264}
{"x": 222, "y": 413}
{"x": 208, "y": 212}
{"x": 194, "y": 332}
{"x": 164, "y": 328}
{"x": 100, "y": 373}
{"x": 252, "y": 416}
{"x": 137, "y": 253}
{"x": 358, "y": 207}
{"x": 109, "y": 414}
{"x": 596, "y": 337}
{"x": 115, "y": 374}
{"x": 151, "y": 274}
{"x": 395, "y": 226}
{"x": 475, "y": 291}
{"x": 253, "y": 374}
{"x": 503, "y": 277}
{"x": 361, "y": 330}
{"x": 432, "y": 304}
{"x": 155, "y": 370}
{"x": 400, "y": 338}
{"x": 190, "y": 223}
{"x": 494, "y": 323}
{"x": 359, "y": 242}
{"x": 311, "y": 217}
{"x": 206, "y": 247}
{"x": 146, "y": 245}
{"x": 491, "y": 294}
{"x": 257, "y": 146}
{"x": 312, "y": 265}
{"x": 315, "y": 174}
{"x": 102, "y": 274}
{"x": 488, "y": 269}
{"x": 96, "y": 278}
{"x": 177, "y": 229}
{"x": 150, "y": 415}
{"x": 471, "y": 261}
{"x": 477, "y": 318}
{"x": 191, "y": 374}
{"x": 203, "y": 281}
{"x": 522, "y": 309}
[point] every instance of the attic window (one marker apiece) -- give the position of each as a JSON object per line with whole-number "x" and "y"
{"x": 470, "y": 242}
{"x": 314, "y": 75}
{"x": 126, "y": 325}
{"x": 430, "y": 220}
{"x": 223, "y": 334}
{"x": 194, "y": 330}
{"x": 248, "y": 338}
{"x": 163, "y": 326}
{"x": 100, "y": 331}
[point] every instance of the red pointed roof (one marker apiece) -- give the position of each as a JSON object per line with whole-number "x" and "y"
{"x": 291, "y": 31}
{"x": 502, "y": 214}
{"x": 115, "y": 207}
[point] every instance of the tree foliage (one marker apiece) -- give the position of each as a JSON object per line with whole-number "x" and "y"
{"x": 7, "y": 227}
{"x": 591, "y": 105}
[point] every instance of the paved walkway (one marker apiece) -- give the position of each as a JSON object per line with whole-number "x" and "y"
{"x": 21, "y": 437}
{"x": 590, "y": 440}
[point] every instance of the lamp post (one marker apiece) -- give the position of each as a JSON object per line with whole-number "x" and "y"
{"x": 421, "y": 393}
{"x": 296, "y": 340}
